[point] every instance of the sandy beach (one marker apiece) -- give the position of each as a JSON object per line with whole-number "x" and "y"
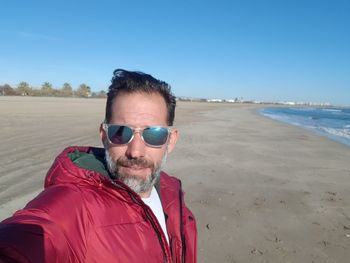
{"x": 262, "y": 191}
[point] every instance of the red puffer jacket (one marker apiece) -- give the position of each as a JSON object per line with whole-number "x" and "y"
{"x": 82, "y": 216}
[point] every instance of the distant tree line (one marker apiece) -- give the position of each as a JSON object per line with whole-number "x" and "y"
{"x": 47, "y": 90}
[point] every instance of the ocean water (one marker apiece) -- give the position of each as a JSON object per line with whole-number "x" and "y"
{"x": 332, "y": 122}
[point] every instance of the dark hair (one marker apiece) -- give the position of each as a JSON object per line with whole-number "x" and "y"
{"x": 124, "y": 81}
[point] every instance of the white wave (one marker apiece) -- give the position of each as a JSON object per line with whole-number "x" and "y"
{"x": 345, "y": 133}
{"x": 275, "y": 116}
{"x": 272, "y": 116}
{"x": 332, "y": 110}
{"x": 304, "y": 109}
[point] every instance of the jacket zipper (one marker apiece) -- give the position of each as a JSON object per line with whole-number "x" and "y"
{"x": 153, "y": 225}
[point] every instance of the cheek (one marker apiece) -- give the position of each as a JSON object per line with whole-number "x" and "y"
{"x": 116, "y": 152}
{"x": 156, "y": 155}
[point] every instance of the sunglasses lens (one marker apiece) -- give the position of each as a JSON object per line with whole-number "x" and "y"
{"x": 155, "y": 136}
{"x": 118, "y": 134}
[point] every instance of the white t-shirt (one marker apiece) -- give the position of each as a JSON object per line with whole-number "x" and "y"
{"x": 154, "y": 203}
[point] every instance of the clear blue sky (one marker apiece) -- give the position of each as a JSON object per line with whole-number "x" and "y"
{"x": 263, "y": 50}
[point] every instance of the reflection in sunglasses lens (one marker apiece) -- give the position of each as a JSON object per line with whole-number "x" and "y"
{"x": 155, "y": 136}
{"x": 119, "y": 134}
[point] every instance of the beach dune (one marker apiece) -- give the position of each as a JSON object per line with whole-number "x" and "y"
{"x": 262, "y": 191}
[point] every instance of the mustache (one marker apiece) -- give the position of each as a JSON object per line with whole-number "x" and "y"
{"x": 140, "y": 162}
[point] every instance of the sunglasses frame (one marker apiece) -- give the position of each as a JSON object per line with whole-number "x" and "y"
{"x": 105, "y": 127}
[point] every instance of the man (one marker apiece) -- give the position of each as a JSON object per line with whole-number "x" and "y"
{"x": 112, "y": 204}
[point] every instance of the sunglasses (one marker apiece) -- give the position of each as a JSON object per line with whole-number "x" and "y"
{"x": 153, "y": 136}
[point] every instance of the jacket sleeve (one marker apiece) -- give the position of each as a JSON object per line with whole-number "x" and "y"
{"x": 190, "y": 233}
{"x": 48, "y": 229}
{"x": 28, "y": 237}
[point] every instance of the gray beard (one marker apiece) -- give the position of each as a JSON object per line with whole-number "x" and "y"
{"x": 136, "y": 183}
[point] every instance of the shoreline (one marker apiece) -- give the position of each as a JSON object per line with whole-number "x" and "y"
{"x": 330, "y": 132}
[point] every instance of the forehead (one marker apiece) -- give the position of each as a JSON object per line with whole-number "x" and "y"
{"x": 139, "y": 109}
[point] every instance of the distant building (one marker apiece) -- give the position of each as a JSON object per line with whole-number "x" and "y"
{"x": 214, "y": 100}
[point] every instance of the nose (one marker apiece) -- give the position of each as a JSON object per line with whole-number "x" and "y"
{"x": 136, "y": 148}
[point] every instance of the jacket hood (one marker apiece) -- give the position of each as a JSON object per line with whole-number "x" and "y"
{"x": 65, "y": 168}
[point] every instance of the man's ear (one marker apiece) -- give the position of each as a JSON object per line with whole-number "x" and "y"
{"x": 102, "y": 133}
{"x": 172, "y": 140}
{"x": 103, "y": 137}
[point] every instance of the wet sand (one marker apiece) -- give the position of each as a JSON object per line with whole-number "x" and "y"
{"x": 262, "y": 191}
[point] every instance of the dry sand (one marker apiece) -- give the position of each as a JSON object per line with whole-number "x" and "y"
{"x": 262, "y": 191}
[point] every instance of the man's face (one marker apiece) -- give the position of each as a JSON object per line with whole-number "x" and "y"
{"x": 135, "y": 163}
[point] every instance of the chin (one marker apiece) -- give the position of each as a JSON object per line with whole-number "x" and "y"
{"x": 141, "y": 173}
